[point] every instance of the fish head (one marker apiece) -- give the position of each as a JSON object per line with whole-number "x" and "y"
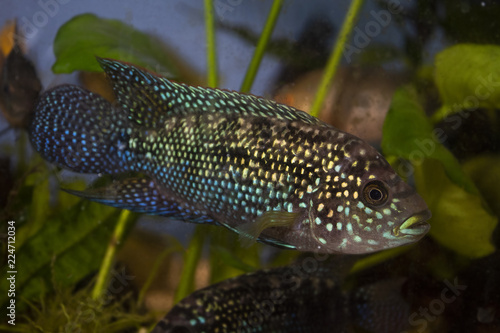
{"x": 370, "y": 208}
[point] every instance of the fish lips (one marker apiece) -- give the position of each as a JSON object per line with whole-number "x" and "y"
{"x": 414, "y": 226}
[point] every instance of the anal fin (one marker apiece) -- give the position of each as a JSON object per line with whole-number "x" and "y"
{"x": 140, "y": 195}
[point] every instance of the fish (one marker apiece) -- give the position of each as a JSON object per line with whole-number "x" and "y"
{"x": 290, "y": 299}
{"x": 19, "y": 86}
{"x": 267, "y": 171}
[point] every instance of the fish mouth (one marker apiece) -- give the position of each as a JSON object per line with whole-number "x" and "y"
{"x": 415, "y": 225}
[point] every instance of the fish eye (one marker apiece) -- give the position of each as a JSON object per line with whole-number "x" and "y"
{"x": 375, "y": 193}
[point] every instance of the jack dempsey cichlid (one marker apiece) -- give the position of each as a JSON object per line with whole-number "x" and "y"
{"x": 290, "y": 300}
{"x": 262, "y": 169}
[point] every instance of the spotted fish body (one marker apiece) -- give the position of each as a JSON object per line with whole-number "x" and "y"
{"x": 275, "y": 300}
{"x": 289, "y": 300}
{"x": 257, "y": 167}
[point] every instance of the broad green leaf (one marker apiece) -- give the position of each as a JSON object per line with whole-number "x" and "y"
{"x": 485, "y": 172}
{"x": 226, "y": 250}
{"x": 36, "y": 184}
{"x": 231, "y": 259}
{"x": 86, "y": 36}
{"x": 66, "y": 249}
{"x": 40, "y": 201}
{"x": 467, "y": 77}
{"x": 408, "y": 134}
{"x": 460, "y": 220}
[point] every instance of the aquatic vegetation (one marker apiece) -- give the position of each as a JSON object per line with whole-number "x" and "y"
{"x": 115, "y": 39}
{"x": 430, "y": 137}
{"x": 474, "y": 86}
{"x": 452, "y": 195}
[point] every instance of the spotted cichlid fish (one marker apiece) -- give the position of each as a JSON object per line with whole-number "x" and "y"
{"x": 289, "y": 300}
{"x": 263, "y": 169}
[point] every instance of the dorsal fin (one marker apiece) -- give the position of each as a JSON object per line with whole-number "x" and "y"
{"x": 134, "y": 90}
{"x": 149, "y": 98}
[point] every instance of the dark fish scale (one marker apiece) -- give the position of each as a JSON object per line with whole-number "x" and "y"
{"x": 237, "y": 158}
{"x": 255, "y": 166}
{"x": 276, "y": 300}
{"x": 89, "y": 144}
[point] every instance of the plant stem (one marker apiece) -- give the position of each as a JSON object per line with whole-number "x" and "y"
{"x": 261, "y": 46}
{"x": 191, "y": 259}
{"x": 212, "y": 78}
{"x": 193, "y": 253}
{"x": 334, "y": 60}
{"x": 154, "y": 271}
{"x": 21, "y": 150}
{"x": 109, "y": 257}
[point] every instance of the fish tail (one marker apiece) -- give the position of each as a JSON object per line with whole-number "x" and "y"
{"x": 79, "y": 130}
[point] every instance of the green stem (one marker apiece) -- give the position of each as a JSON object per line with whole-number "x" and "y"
{"x": 261, "y": 46}
{"x": 191, "y": 259}
{"x": 109, "y": 257}
{"x": 154, "y": 271}
{"x": 21, "y": 149}
{"x": 334, "y": 60}
{"x": 212, "y": 78}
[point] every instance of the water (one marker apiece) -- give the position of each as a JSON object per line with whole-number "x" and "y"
{"x": 447, "y": 282}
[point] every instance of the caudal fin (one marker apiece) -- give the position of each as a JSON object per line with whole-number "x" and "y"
{"x": 79, "y": 130}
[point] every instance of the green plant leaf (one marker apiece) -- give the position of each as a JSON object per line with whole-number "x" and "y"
{"x": 485, "y": 172}
{"x": 192, "y": 257}
{"x": 86, "y": 36}
{"x": 408, "y": 134}
{"x": 228, "y": 258}
{"x": 231, "y": 259}
{"x": 69, "y": 247}
{"x": 467, "y": 77}
{"x": 460, "y": 220}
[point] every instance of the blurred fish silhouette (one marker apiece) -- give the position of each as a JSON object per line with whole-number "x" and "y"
{"x": 289, "y": 300}
{"x": 19, "y": 85}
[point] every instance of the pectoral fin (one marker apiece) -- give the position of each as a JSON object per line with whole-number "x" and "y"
{"x": 249, "y": 232}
